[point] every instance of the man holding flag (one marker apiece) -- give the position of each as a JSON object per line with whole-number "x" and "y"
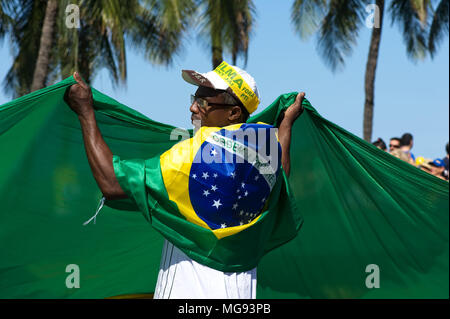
{"x": 212, "y": 196}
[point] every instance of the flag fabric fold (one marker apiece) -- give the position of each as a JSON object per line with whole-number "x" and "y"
{"x": 372, "y": 226}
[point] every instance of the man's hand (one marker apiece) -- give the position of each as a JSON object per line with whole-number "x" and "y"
{"x": 285, "y": 130}
{"x": 294, "y": 110}
{"x": 79, "y": 97}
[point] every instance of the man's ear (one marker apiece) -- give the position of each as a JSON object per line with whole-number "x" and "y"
{"x": 235, "y": 114}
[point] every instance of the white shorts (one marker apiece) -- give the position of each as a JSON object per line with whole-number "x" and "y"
{"x": 182, "y": 278}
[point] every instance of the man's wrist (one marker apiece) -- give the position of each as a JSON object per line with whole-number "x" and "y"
{"x": 286, "y": 123}
{"x": 87, "y": 116}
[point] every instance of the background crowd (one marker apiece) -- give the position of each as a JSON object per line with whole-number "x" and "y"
{"x": 401, "y": 147}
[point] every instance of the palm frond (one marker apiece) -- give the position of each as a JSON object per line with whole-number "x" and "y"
{"x": 412, "y": 18}
{"x": 307, "y": 16}
{"x": 25, "y": 38}
{"x": 226, "y": 26}
{"x": 159, "y": 27}
{"x": 244, "y": 13}
{"x": 439, "y": 26}
{"x": 339, "y": 31}
{"x": 6, "y": 17}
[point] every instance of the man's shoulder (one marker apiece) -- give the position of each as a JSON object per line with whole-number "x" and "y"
{"x": 259, "y": 126}
{"x": 261, "y": 131}
{"x": 256, "y": 125}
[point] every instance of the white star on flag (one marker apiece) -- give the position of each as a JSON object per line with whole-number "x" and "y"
{"x": 213, "y": 152}
{"x": 217, "y": 204}
{"x": 223, "y": 225}
{"x": 242, "y": 185}
{"x": 194, "y": 176}
{"x": 205, "y": 175}
{"x": 235, "y": 206}
{"x": 215, "y": 175}
{"x": 246, "y": 193}
{"x": 214, "y": 188}
{"x": 205, "y": 193}
{"x": 241, "y": 212}
{"x": 256, "y": 177}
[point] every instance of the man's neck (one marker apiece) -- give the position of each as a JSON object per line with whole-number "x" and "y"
{"x": 405, "y": 148}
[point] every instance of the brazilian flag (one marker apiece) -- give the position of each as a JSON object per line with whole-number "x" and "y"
{"x": 363, "y": 213}
{"x": 217, "y": 195}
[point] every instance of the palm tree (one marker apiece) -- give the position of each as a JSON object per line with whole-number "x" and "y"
{"x": 226, "y": 25}
{"x": 153, "y": 27}
{"x": 338, "y": 23}
{"x": 98, "y": 43}
{"x": 159, "y": 28}
{"x": 45, "y": 46}
{"x": 27, "y": 17}
{"x": 369, "y": 80}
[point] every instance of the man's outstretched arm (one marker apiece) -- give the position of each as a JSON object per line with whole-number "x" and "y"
{"x": 285, "y": 130}
{"x": 79, "y": 98}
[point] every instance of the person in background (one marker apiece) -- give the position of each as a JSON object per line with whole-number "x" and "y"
{"x": 435, "y": 168}
{"x": 445, "y": 160}
{"x": 394, "y": 143}
{"x": 400, "y": 154}
{"x": 380, "y": 144}
{"x": 406, "y": 144}
{"x": 438, "y": 168}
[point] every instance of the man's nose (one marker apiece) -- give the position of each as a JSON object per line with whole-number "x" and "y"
{"x": 194, "y": 108}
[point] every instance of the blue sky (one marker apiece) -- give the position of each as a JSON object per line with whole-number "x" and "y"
{"x": 409, "y": 97}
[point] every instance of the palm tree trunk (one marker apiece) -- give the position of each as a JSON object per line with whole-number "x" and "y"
{"x": 45, "y": 46}
{"x": 217, "y": 56}
{"x": 216, "y": 47}
{"x": 216, "y": 41}
{"x": 86, "y": 56}
{"x": 371, "y": 66}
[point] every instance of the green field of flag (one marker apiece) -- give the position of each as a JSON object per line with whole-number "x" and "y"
{"x": 345, "y": 206}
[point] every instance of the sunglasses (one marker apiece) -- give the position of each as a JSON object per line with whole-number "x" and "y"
{"x": 394, "y": 146}
{"x": 204, "y": 103}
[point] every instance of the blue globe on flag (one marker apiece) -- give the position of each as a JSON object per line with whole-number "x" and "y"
{"x": 227, "y": 189}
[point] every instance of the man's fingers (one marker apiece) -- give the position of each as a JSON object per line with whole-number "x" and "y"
{"x": 298, "y": 100}
{"x": 79, "y": 80}
{"x": 300, "y": 97}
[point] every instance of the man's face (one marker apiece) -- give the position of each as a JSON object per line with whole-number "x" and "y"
{"x": 394, "y": 144}
{"x": 216, "y": 114}
{"x": 437, "y": 171}
{"x": 433, "y": 170}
